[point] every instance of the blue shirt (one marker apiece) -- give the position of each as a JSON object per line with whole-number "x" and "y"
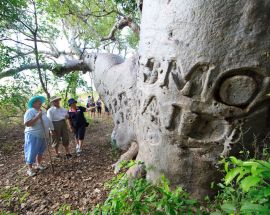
{"x": 37, "y": 129}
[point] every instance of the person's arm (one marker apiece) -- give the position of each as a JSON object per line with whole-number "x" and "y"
{"x": 71, "y": 129}
{"x": 83, "y": 109}
{"x": 68, "y": 120}
{"x": 50, "y": 114}
{"x": 33, "y": 121}
{"x": 51, "y": 127}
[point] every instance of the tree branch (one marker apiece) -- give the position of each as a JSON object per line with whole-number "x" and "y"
{"x": 124, "y": 22}
{"x": 11, "y": 72}
{"x": 15, "y": 41}
{"x": 57, "y": 69}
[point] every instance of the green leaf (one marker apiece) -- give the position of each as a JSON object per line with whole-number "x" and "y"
{"x": 242, "y": 174}
{"x": 264, "y": 163}
{"x": 228, "y": 208}
{"x": 250, "y": 163}
{"x": 23, "y": 197}
{"x": 232, "y": 174}
{"x": 266, "y": 191}
{"x": 216, "y": 213}
{"x": 226, "y": 166}
{"x": 249, "y": 207}
{"x": 236, "y": 161}
{"x": 249, "y": 182}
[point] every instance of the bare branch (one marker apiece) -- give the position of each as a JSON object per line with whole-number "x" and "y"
{"x": 16, "y": 41}
{"x": 71, "y": 37}
{"x": 11, "y": 72}
{"x": 39, "y": 41}
{"x": 124, "y": 22}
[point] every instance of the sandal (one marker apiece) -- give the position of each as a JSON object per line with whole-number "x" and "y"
{"x": 31, "y": 173}
{"x": 41, "y": 168}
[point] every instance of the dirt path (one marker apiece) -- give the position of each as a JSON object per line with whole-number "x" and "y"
{"x": 78, "y": 182}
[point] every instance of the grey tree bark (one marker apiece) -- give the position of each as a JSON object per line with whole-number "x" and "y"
{"x": 196, "y": 90}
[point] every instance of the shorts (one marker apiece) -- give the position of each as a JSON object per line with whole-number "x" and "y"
{"x": 79, "y": 133}
{"x": 99, "y": 109}
{"x": 60, "y": 128}
{"x": 93, "y": 109}
{"x": 33, "y": 146}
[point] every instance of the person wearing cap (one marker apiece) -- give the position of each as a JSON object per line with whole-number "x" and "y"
{"x": 37, "y": 130}
{"x": 77, "y": 123}
{"x": 58, "y": 116}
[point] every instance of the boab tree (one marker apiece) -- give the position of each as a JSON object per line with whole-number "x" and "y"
{"x": 197, "y": 88}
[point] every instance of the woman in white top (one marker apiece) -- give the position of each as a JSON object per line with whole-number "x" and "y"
{"x": 58, "y": 116}
{"x": 37, "y": 130}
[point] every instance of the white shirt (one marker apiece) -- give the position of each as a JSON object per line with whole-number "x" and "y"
{"x": 37, "y": 129}
{"x": 57, "y": 114}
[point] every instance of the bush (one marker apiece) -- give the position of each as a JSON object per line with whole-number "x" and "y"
{"x": 140, "y": 196}
{"x": 246, "y": 188}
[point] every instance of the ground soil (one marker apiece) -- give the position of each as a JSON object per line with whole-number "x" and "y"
{"x": 78, "y": 182}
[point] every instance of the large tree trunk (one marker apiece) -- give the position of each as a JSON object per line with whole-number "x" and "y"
{"x": 203, "y": 78}
{"x": 197, "y": 90}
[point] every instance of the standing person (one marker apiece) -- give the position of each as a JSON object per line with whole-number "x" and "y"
{"x": 88, "y": 105}
{"x": 89, "y": 99}
{"x": 99, "y": 106}
{"x": 37, "y": 129}
{"x": 77, "y": 123}
{"x": 93, "y": 108}
{"x": 58, "y": 116}
{"x": 107, "y": 110}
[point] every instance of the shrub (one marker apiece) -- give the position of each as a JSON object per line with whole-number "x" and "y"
{"x": 246, "y": 188}
{"x": 140, "y": 196}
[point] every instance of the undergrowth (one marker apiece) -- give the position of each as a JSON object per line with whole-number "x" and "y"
{"x": 246, "y": 187}
{"x": 11, "y": 198}
{"x": 244, "y": 190}
{"x": 140, "y": 196}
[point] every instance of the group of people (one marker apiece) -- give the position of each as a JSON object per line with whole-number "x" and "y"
{"x": 40, "y": 126}
{"x": 93, "y": 106}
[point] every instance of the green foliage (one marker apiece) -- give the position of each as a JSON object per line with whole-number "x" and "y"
{"x": 5, "y": 58}
{"x": 246, "y": 188}
{"x": 13, "y": 97}
{"x": 13, "y": 193}
{"x": 94, "y": 19}
{"x": 73, "y": 81}
{"x": 7, "y": 213}
{"x": 10, "y": 11}
{"x": 140, "y": 196}
{"x": 133, "y": 39}
{"x": 127, "y": 6}
{"x": 66, "y": 210}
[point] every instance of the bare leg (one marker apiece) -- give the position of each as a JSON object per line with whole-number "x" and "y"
{"x": 80, "y": 143}
{"x": 56, "y": 149}
{"x": 39, "y": 159}
{"x": 30, "y": 170}
{"x": 30, "y": 166}
{"x": 67, "y": 149}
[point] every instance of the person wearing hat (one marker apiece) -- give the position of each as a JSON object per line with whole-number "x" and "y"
{"x": 58, "y": 116}
{"x": 77, "y": 123}
{"x": 37, "y": 129}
